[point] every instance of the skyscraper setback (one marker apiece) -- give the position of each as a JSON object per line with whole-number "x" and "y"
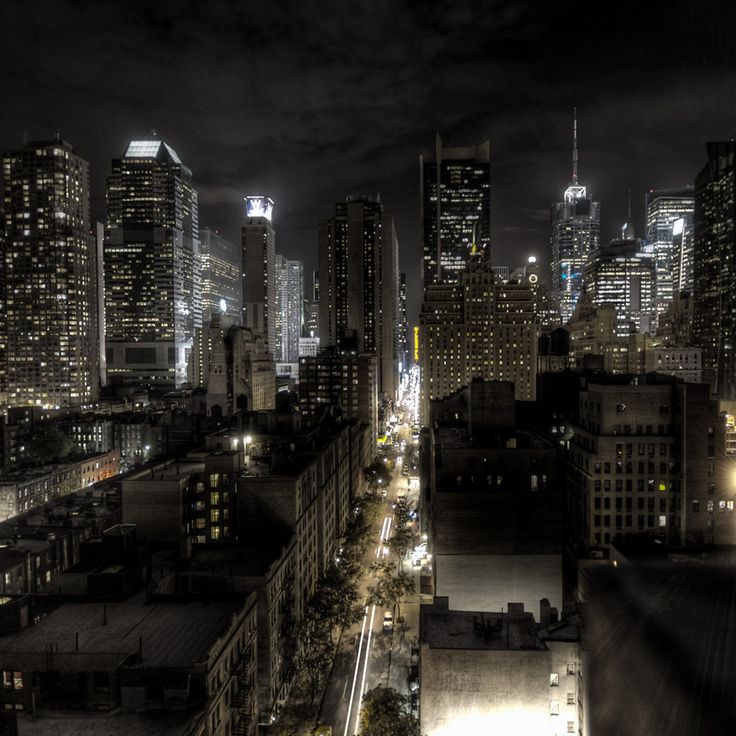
{"x": 576, "y": 223}
{"x": 151, "y": 243}
{"x": 50, "y": 326}
{"x": 455, "y": 202}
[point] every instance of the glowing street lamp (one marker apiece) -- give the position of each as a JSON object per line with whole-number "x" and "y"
{"x": 247, "y": 439}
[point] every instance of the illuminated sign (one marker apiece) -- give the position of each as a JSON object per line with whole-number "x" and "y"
{"x": 223, "y": 306}
{"x": 677, "y": 226}
{"x": 259, "y": 206}
{"x": 416, "y": 344}
{"x": 574, "y": 192}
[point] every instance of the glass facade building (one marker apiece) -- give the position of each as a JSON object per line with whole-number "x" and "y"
{"x": 152, "y": 304}
{"x": 455, "y": 202}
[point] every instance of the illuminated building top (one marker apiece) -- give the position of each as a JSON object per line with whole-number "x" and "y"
{"x": 259, "y": 206}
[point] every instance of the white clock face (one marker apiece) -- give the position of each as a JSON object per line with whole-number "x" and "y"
{"x": 533, "y": 278}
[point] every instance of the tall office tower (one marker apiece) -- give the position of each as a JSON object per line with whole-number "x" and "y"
{"x": 221, "y": 278}
{"x": 259, "y": 269}
{"x": 623, "y": 275}
{"x": 546, "y": 312}
{"x": 576, "y": 224}
{"x": 151, "y": 246}
{"x": 359, "y": 283}
{"x": 455, "y": 208}
{"x": 714, "y": 323}
{"x": 664, "y": 208}
{"x": 403, "y": 323}
{"x": 279, "y": 313}
{"x": 682, "y": 255}
{"x": 311, "y": 309}
{"x": 49, "y": 269}
{"x": 294, "y": 313}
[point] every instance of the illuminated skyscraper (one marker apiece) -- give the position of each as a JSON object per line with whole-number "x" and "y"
{"x": 455, "y": 202}
{"x": 289, "y": 308}
{"x": 714, "y": 318}
{"x": 359, "y": 283}
{"x": 50, "y": 325}
{"x": 221, "y": 277}
{"x": 622, "y": 274}
{"x": 576, "y": 223}
{"x": 151, "y": 246}
{"x": 664, "y": 207}
{"x": 259, "y": 269}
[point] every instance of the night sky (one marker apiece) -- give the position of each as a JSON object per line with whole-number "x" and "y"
{"x": 311, "y": 101}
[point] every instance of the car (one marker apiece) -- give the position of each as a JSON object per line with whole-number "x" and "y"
{"x": 388, "y": 622}
{"x": 413, "y": 678}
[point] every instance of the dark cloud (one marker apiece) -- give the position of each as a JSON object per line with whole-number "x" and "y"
{"x": 310, "y": 101}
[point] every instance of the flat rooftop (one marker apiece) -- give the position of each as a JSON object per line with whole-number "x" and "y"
{"x": 116, "y": 723}
{"x": 174, "y": 634}
{"x": 444, "y": 629}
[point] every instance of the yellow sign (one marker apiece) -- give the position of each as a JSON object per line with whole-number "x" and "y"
{"x": 416, "y": 344}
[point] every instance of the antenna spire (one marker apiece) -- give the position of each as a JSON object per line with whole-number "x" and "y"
{"x": 574, "y": 146}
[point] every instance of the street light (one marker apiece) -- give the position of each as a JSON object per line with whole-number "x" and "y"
{"x": 247, "y": 439}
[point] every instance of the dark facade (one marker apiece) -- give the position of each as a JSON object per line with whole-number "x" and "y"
{"x": 714, "y": 307}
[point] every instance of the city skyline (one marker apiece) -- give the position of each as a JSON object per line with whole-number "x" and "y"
{"x": 643, "y": 126}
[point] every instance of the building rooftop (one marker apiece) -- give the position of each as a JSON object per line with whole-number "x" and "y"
{"x": 115, "y": 723}
{"x": 172, "y": 634}
{"x": 442, "y": 628}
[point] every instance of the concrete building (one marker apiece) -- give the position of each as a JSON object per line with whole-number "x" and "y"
{"x": 235, "y": 367}
{"x": 130, "y": 658}
{"x": 492, "y": 501}
{"x": 339, "y": 382}
{"x": 27, "y": 489}
{"x": 649, "y": 455}
{"x": 455, "y": 208}
{"x": 50, "y": 313}
{"x": 500, "y": 672}
{"x": 479, "y": 328}
{"x": 151, "y": 248}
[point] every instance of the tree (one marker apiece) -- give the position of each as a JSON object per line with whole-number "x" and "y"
{"x": 390, "y": 586}
{"x": 403, "y": 537}
{"x": 48, "y": 443}
{"x": 386, "y": 712}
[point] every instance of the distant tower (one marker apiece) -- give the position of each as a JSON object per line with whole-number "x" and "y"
{"x": 359, "y": 283}
{"x": 50, "y": 273}
{"x": 575, "y": 235}
{"x": 259, "y": 268}
{"x": 455, "y": 202}
{"x": 221, "y": 277}
{"x": 151, "y": 264}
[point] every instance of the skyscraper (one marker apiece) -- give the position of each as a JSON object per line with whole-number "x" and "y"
{"x": 151, "y": 245}
{"x": 359, "y": 283}
{"x": 455, "y": 202}
{"x": 50, "y": 326}
{"x": 575, "y": 235}
{"x": 294, "y": 315}
{"x": 664, "y": 207}
{"x": 259, "y": 268}
{"x": 623, "y": 275}
{"x": 220, "y": 276}
{"x": 714, "y": 318}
